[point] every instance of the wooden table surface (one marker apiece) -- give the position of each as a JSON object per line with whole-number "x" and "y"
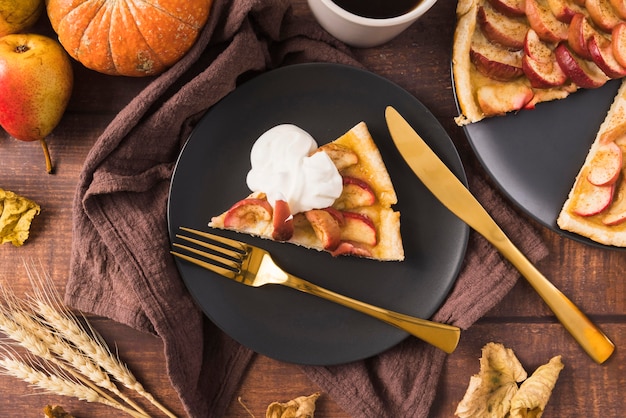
{"x": 419, "y": 61}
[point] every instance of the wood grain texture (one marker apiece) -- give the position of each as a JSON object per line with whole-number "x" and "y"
{"x": 418, "y": 61}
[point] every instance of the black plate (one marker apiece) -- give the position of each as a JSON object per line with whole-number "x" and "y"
{"x": 535, "y": 155}
{"x": 326, "y": 100}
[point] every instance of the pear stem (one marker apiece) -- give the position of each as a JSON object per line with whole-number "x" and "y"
{"x": 46, "y": 154}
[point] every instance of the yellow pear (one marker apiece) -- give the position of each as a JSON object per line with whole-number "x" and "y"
{"x": 36, "y": 80}
{"x": 17, "y": 15}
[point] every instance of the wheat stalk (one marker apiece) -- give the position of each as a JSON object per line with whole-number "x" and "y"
{"x": 62, "y": 385}
{"x": 55, "y": 314}
{"x": 72, "y": 357}
{"x": 43, "y": 343}
{"x": 50, "y": 331}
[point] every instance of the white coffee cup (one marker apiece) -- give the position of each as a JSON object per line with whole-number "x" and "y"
{"x": 363, "y": 32}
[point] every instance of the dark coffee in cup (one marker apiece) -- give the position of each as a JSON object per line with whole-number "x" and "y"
{"x": 377, "y": 9}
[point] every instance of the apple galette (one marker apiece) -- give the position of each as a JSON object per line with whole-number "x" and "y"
{"x": 335, "y": 198}
{"x": 596, "y": 204}
{"x": 510, "y": 55}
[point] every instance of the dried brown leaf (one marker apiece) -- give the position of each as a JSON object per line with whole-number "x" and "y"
{"x": 300, "y": 407}
{"x": 16, "y": 215}
{"x": 532, "y": 397}
{"x": 494, "y": 391}
{"x": 55, "y": 412}
{"x": 489, "y": 393}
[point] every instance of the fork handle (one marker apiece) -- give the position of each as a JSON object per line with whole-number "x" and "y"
{"x": 443, "y": 336}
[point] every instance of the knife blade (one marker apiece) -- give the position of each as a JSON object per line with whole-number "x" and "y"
{"x": 446, "y": 187}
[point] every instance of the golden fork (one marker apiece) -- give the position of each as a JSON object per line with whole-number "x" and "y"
{"x": 254, "y": 266}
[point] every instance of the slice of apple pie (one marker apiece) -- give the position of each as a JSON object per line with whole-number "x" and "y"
{"x": 335, "y": 198}
{"x": 596, "y": 205}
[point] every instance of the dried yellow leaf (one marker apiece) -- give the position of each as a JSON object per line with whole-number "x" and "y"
{"x": 533, "y": 395}
{"x": 494, "y": 391}
{"x": 16, "y": 215}
{"x": 300, "y": 407}
{"x": 489, "y": 393}
{"x": 55, "y": 412}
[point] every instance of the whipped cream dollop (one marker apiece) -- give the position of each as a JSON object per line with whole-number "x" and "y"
{"x": 284, "y": 167}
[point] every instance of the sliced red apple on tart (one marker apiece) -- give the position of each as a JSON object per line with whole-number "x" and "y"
{"x": 601, "y": 50}
{"x": 592, "y": 199}
{"x": 253, "y": 214}
{"x": 583, "y": 73}
{"x": 539, "y": 63}
{"x": 502, "y": 98}
{"x": 543, "y": 21}
{"x": 620, "y": 7}
{"x": 616, "y": 214}
{"x": 580, "y": 31}
{"x": 605, "y": 165}
{"x": 602, "y": 14}
{"x": 501, "y": 29}
{"x": 513, "y": 8}
{"x": 618, "y": 43}
{"x": 356, "y": 193}
{"x": 494, "y": 61}
{"x": 564, "y": 10}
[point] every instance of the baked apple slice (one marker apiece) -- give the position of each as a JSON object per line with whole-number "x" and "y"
{"x": 493, "y": 61}
{"x": 606, "y": 165}
{"x": 543, "y": 21}
{"x": 358, "y": 227}
{"x": 601, "y": 50}
{"x": 620, "y": 7}
{"x": 502, "y": 98}
{"x": 351, "y": 248}
{"x": 602, "y": 14}
{"x": 543, "y": 74}
{"x": 356, "y": 193}
{"x": 564, "y": 10}
{"x": 537, "y": 49}
{"x": 343, "y": 157}
{"x": 327, "y": 226}
{"x": 583, "y": 73}
{"x": 579, "y": 33}
{"x": 513, "y": 8}
{"x": 618, "y": 43}
{"x": 250, "y": 214}
{"x": 282, "y": 222}
{"x": 613, "y": 133}
{"x": 592, "y": 199}
{"x": 499, "y": 28}
{"x": 539, "y": 63}
{"x": 616, "y": 214}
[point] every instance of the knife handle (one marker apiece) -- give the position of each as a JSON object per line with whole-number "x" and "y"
{"x": 597, "y": 345}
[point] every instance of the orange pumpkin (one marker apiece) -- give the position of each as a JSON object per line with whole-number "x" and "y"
{"x": 128, "y": 37}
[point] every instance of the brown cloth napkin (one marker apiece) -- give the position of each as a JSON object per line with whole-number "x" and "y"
{"x": 121, "y": 267}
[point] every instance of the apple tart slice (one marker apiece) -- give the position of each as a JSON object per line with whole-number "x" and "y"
{"x": 596, "y": 204}
{"x": 360, "y": 222}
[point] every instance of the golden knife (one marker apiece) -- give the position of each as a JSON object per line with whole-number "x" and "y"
{"x": 457, "y": 198}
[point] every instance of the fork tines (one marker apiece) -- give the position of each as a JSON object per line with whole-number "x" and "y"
{"x": 227, "y": 252}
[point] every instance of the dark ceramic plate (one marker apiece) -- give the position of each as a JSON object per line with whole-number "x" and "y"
{"x": 534, "y": 155}
{"x": 326, "y": 100}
